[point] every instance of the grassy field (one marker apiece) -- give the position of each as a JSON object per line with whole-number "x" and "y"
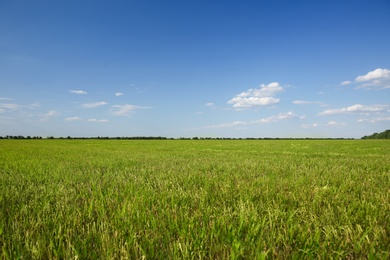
{"x": 194, "y": 199}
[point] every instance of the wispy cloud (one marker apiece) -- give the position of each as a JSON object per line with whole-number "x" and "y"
{"x": 75, "y": 118}
{"x": 346, "y": 83}
{"x": 281, "y": 116}
{"x": 15, "y": 107}
{"x": 98, "y": 120}
{"x": 374, "y": 120}
{"x": 210, "y": 104}
{"x": 310, "y": 125}
{"x": 78, "y": 92}
{"x": 266, "y": 120}
{"x": 10, "y": 106}
{"x": 48, "y": 115}
{"x": 4, "y": 98}
{"x": 358, "y": 109}
{"x": 329, "y": 124}
{"x": 376, "y": 79}
{"x": 301, "y": 102}
{"x": 52, "y": 113}
{"x": 125, "y": 110}
{"x": 118, "y": 94}
{"x": 94, "y": 104}
{"x": 262, "y": 96}
{"x": 335, "y": 124}
{"x": 231, "y": 124}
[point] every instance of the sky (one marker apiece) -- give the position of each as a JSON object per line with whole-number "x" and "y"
{"x": 194, "y": 68}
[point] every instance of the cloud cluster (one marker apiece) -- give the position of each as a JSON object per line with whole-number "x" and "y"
{"x": 358, "y": 109}
{"x": 262, "y": 96}
{"x": 376, "y": 79}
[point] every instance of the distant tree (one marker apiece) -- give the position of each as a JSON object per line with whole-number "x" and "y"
{"x": 381, "y": 135}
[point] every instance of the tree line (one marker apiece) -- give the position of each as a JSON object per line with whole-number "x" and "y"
{"x": 163, "y": 138}
{"x": 381, "y": 135}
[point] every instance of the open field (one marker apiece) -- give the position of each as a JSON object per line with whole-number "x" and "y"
{"x": 175, "y": 199}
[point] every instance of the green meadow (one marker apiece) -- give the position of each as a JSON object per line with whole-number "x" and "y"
{"x": 194, "y": 199}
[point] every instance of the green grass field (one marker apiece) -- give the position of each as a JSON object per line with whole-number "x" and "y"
{"x": 194, "y": 199}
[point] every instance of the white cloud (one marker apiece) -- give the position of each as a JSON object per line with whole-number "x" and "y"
{"x": 210, "y": 104}
{"x": 379, "y": 78}
{"x": 240, "y": 102}
{"x": 262, "y": 96}
{"x": 346, "y": 83}
{"x": 301, "y": 102}
{"x": 358, "y": 108}
{"x": 94, "y": 104}
{"x": 75, "y": 118}
{"x": 4, "y": 98}
{"x": 125, "y": 110}
{"x": 97, "y": 120}
{"x": 374, "y": 75}
{"x": 118, "y": 94}
{"x": 78, "y": 92}
{"x": 376, "y": 79}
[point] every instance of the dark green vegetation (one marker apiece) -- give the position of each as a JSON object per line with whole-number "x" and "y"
{"x": 172, "y": 199}
{"x": 381, "y": 135}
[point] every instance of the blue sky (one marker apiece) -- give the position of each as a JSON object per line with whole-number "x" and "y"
{"x": 194, "y": 68}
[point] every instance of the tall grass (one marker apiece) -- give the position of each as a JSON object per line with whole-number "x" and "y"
{"x": 200, "y": 199}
